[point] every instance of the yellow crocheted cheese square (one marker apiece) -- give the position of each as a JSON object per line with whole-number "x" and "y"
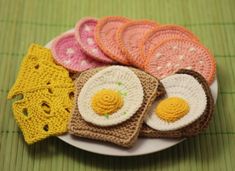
{"x": 40, "y": 51}
{"x": 42, "y": 113}
{"x": 38, "y": 70}
{"x": 47, "y": 94}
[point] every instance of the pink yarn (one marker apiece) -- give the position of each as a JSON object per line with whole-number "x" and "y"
{"x": 162, "y": 33}
{"x": 175, "y": 54}
{"x": 67, "y": 52}
{"x": 84, "y": 33}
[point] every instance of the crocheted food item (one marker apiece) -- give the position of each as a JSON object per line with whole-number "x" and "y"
{"x": 42, "y": 52}
{"x": 84, "y": 33}
{"x": 47, "y": 91}
{"x": 172, "y": 109}
{"x": 160, "y": 34}
{"x": 125, "y": 133}
{"x": 186, "y": 87}
{"x": 105, "y": 36}
{"x": 106, "y": 102}
{"x": 67, "y": 52}
{"x": 195, "y": 120}
{"x": 176, "y": 54}
{"x": 128, "y": 37}
{"x": 127, "y": 87}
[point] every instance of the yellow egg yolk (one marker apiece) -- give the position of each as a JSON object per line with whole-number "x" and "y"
{"x": 107, "y": 102}
{"x": 172, "y": 109}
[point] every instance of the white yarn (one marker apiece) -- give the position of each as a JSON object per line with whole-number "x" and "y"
{"x": 186, "y": 87}
{"x": 107, "y": 79}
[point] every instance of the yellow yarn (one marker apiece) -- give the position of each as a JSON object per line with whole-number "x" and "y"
{"x": 46, "y": 89}
{"x": 106, "y": 102}
{"x": 40, "y": 52}
{"x": 172, "y": 109}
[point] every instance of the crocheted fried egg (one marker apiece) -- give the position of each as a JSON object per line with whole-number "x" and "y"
{"x": 111, "y": 96}
{"x": 185, "y": 102}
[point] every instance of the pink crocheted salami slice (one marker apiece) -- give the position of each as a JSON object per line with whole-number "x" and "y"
{"x": 128, "y": 37}
{"x": 84, "y": 33}
{"x": 67, "y": 52}
{"x": 105, "y": 36}
{"x": 161, "y": 34}
{"x": 175, "y": 54}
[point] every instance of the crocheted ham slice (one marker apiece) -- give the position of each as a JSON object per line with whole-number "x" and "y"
{"x": 68, "y": 53}
{"x": 162, "y": 33}
{"x": 84, "y": 32}
{"x": 128, "y": 37}
{"x": 175, "y": 54}
{"x": 105, "y": 36}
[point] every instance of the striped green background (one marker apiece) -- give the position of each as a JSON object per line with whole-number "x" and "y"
{"x": 25, "y": 21}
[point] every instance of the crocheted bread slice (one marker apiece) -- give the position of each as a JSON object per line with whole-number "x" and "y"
{"x": 123, "y": 134}
{"x": 195, "y": 127}
{"x": 47, "y": 94}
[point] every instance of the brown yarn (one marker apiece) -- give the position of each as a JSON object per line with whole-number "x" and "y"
{"x": 124, "y": 134}
{"x": 197, "y": 126}
{"x": 74, "y": 76}
{"x": 160, "y": 90}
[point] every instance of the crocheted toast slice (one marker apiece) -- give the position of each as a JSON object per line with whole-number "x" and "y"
{"x": 125, "y": 133}
{"x": 194, "y": 128}
{"x": 47, "y": 94}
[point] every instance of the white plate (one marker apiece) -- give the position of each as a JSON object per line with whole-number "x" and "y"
{"x": 141, "y": 147}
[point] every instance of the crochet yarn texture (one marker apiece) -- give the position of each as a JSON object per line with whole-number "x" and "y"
{"x": 105, "y": 37}
{"x": 84, "y": 33}
{"x": 125, "y": 133}
{"x": 107, "y": 102}
{"x": 160, "y": 34}
{"x": 47, "y": 94}
{"x": 129, "y": 35}
{"x": 174, "y": 54}
{"x": 172, "y": 109}
{"x": 115, "y": 78}
{"x": 195, "y": 127}
{"x": 182, "y": 86}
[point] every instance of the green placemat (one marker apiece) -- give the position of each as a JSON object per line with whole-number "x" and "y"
{"x": 26, "y": 21}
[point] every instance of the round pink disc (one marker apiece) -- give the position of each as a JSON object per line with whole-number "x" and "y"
{"x": 161, "y": 34}
{"x": 129, "y": 36}
{"x": 84, "y": 33}
{"x": 175, "y": 54}
{"x": 67, "y": 52}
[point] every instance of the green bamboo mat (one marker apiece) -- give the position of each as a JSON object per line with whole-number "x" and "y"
{"x": 25, "y": 21}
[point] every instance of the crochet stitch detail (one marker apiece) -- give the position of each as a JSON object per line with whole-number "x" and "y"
{"x": 107, "y": 101}
{"x": 47, "y": 96}
{"x": 172, "y": 109}
{"x": 117, "y": 78}
{"x": 125, "y": 133}
{"x": 194, "y": 128}
{"x": 182, "y": 86}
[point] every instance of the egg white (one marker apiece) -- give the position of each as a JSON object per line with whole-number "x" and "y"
{"x": 184, "y": 86}
{"x": 108, "y": 79}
